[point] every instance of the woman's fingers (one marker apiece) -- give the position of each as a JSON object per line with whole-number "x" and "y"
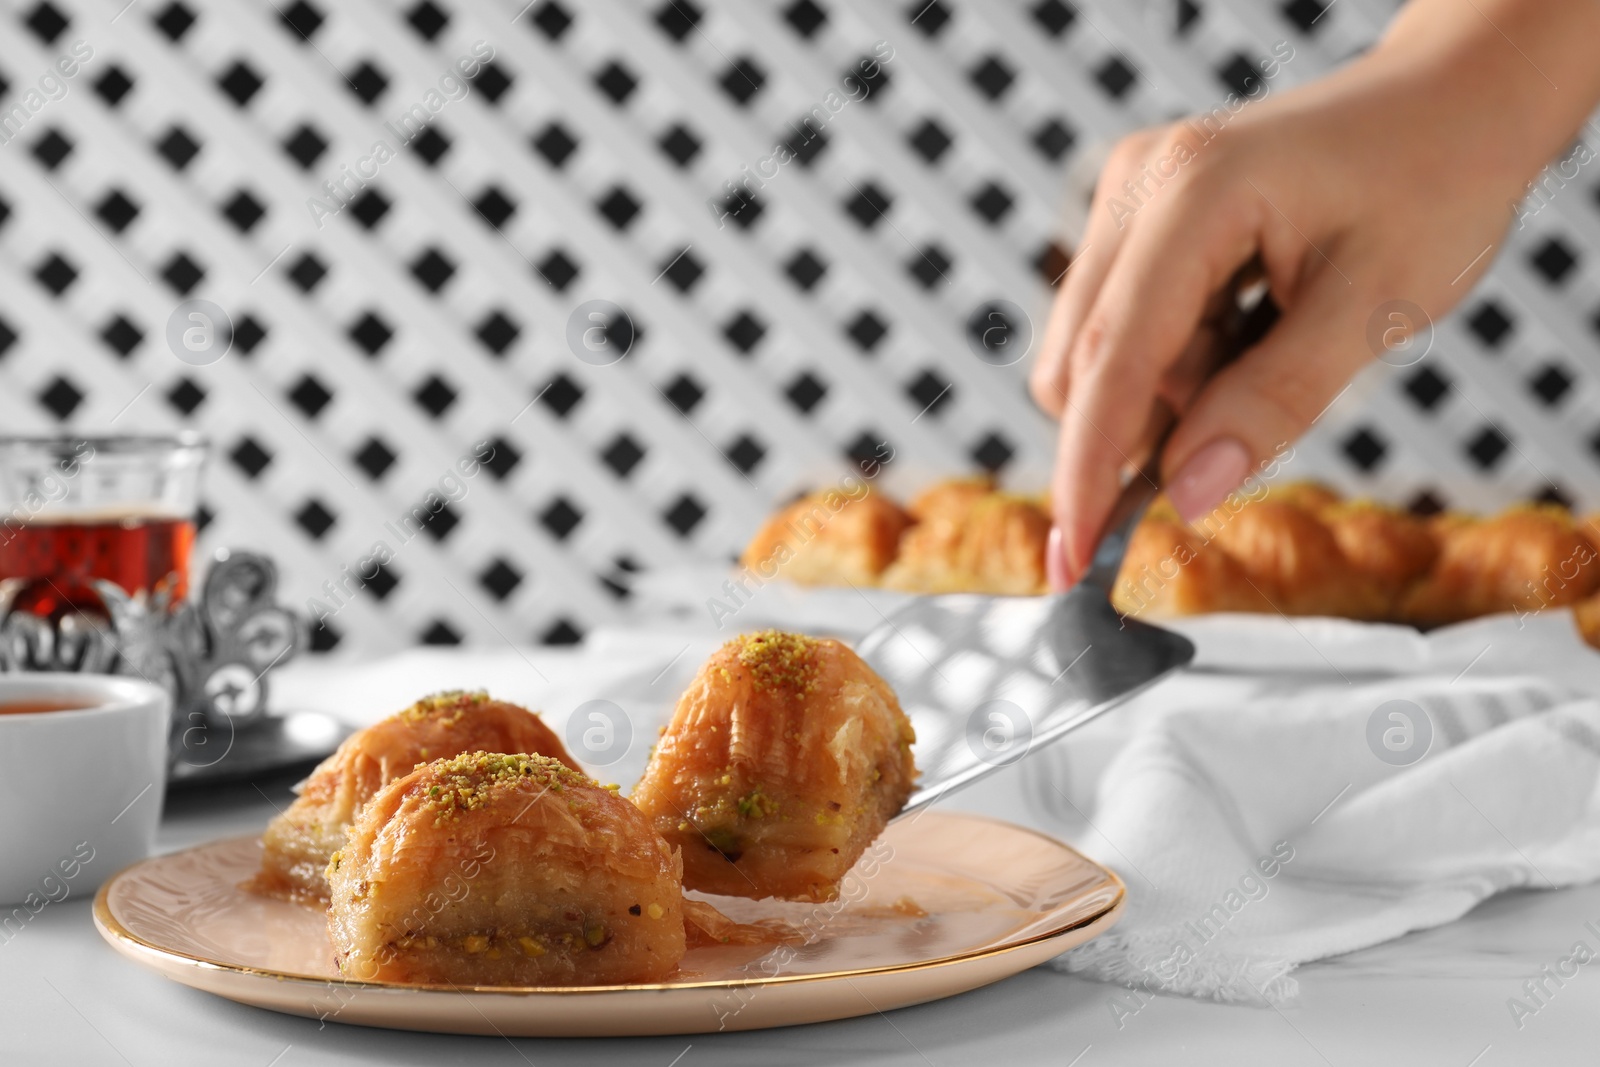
{"x": 1144, "y": 316}
{"x": 1269, "y": 397}
{"x": 1092, "y": 260}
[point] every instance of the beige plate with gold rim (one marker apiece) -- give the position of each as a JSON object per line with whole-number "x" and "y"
{"x": 999, "y": 899}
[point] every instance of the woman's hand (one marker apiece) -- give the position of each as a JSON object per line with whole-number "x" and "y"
{"x": 1392, "y": 179}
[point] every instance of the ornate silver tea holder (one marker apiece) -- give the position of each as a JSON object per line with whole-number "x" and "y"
{"x": 214, "y": 654}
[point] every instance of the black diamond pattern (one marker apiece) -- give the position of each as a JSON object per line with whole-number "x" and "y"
{"x": 503, "y": 459}
{"x": 240, "y": 82}
{"x": 243, "y": 210}
{"x": 301, "y": 20}
{"x": 116, "y": 210}
{"x": 619, "y": 207}
{"x": 1554, "y": 260}
{"x": 678, "y": 18}
{"x": 182, "y": 273}
{"x": 1486, "y": 447}
{"x": 174, "y": 21}
{"x": 307, "y": 271}
{"x": 557, "y": 269}
{"x": 806, "y": 17}
{"x": 305, "y": 145}
{"x": 683, "y": 270}
{"x": 556, "y": 144}
{"x": 500, "y": 579}
{"x": 61, "y": 398}
{"x": 929, "y": 392}
{"x": 806, "y": 392}
{"x": 685, "y": 514}
{"x": 1490, "y": 323}
{"x": 314, "y": 518}
{"x": 113, "y": 85}
{"x": 1427, "y": 387}
{"x": 1305, "y": 14}
{"x": 46, "y": 22}
{"x": 432, "y": 269}
{"x": 177, "y": 147}
{"x": 552, "y": 18}
{"x": 310, "y": 396}
{"x": 684, "y": 393}
{"x": 929, "y": 16}
{"x": 867, "y": 204}
{"x": 560, "y": 517}
{"x": 498, "y": 332}
{"x": 1054, "y": 16}
{"x": 367, "y": 82}
{"x": 370, "y": 207}
{"x": 375, "y": 458}
{"x": 992, "y": 452}
{"x": 930, "y": 140}
{"x": 123, "y": 336}
{"x": 745, "y": 331}
{"x": 371, "y": 333}
{"x": 185, "y": 396}
{"x": 1365, "y": 448}
{"x": 681, "y": 145}
{"x": 1551, "y": 383}
{"x": 430, "y": 144}
{"x": 250, "y": 457}
{"x": 930, "y": 266}
{"x": 561, "y": 395}
{"x": 993, "y": 77}
{"x": 51, "y": 149}
{"x": 743, "y": 80}
{"x": 440, "y": 632}
{"x": 616, "y": 82}
{"x": 805, "y": 269}
{"x": 434, "y": 395}
{"x": 867, "y": 329}
{"x": 992, "y": 202}
{"x": 1115, "y": 77}
{"x": 494, "y": 206}
{"x": 427, "y": 19}
{"x": 622, "y": 455}
{"x": 55, "y": 273}
{"x": 745, "y": 453}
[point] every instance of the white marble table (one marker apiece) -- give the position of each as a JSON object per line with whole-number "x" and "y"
{"x": 1437, "y": 997}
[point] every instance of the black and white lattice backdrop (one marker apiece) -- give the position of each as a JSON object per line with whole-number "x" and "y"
{"x": 401, "y": 248}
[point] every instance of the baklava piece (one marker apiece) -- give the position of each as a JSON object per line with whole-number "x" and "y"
{"x": 784, "y": 759}
{"x": 1386, "y": 546}
{"x": 298, "y": 843}
{"x": 1295, "y": 561}
{"x": 1170, "y": 570}
{"x": 829, "y": 538}
{"x": 993, "y": 543}
{"x": 1521, "y": 560}
{"x": 491, "y": 869}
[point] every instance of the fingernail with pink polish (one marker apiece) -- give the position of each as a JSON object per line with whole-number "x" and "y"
{"x": 1208, "y": 477}
{"x": 1056, "y": 567}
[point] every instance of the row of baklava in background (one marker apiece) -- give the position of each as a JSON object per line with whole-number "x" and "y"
{"x": 1296, "y": 549}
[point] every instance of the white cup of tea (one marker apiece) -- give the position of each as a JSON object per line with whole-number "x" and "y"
{"x": 83, "y": 765}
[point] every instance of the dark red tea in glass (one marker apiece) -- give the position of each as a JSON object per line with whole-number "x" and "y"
{"x": 73, "y": 510}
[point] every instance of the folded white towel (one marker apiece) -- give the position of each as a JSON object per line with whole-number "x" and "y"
{"x": 1262, "y": 820}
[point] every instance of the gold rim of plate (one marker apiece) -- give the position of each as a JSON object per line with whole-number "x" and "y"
{"x": 112, "y": 929}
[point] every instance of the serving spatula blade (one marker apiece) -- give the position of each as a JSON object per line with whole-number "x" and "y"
{"x": 986, "y": 680}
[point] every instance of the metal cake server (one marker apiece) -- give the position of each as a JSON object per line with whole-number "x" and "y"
{"x": 988, "y": 679}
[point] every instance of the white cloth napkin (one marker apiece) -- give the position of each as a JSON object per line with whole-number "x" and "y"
{"x": 1258, "y": 824}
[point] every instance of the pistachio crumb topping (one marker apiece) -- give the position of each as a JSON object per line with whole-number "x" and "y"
{"x": 474, "y": 779}
{"x": 451, "y": 703}
{"x": 780, "y": 660}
